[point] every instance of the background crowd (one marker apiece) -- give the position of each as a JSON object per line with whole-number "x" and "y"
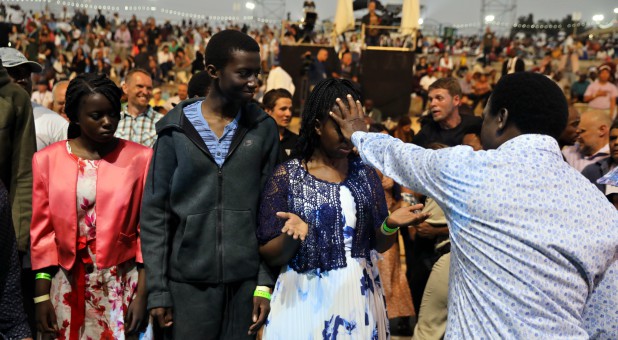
{"x": 159, "y": 65}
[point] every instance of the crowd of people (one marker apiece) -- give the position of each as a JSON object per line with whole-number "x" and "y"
{"x": 155, "y": 188}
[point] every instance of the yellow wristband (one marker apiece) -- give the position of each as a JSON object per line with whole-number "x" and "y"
{"x": 262, "y": 294}
{"x": 41, "y": 298}
{"x": 43, "y": 276}
{"x": 388, "y": 231}
{"x": 263, "y": 289}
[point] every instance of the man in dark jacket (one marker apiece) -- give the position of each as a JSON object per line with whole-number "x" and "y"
{"x": 212, "y": 157}
{"x": 17, "y": 145}
{"x": 513, "y": 63}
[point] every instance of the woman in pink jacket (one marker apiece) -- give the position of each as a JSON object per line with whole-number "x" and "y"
{"x": 86, "y": 202}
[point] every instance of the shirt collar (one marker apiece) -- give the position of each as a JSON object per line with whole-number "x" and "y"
{"x": 604, "y": 151}
{"x": 149, "y": 113}
{"x": 532, "y": 141}
{"x": 229, "y": 127}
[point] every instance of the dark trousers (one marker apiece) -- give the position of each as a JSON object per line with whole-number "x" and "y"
{"x": 204, "y": 311}
{"x": 27, "y": 291}
{"x": 419, "y": 256}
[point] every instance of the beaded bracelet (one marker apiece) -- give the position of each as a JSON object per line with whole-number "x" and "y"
{"x": 386, "y": 230}
{"x": 262, "y": 294}
{"x": 43, "y": 276}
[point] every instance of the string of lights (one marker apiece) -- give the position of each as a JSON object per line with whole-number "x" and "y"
{"x": 533, "y": 26}
{"x": 147, "y": 9}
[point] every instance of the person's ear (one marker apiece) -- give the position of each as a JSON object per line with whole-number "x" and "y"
{"x": 456, "y": 100}
{"x": 503, "y": 116}
{"x": 318, "y": 127}
{"x": 603, "y": 130}
{"x": 213, "y": 72}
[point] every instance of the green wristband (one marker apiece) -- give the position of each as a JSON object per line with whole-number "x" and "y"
{"x": 388, "y": 231}
{"x": 43, "y": 276}
{"x": 262, "y": 294}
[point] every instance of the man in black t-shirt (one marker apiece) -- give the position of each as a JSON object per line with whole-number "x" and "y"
{"x": 447, "y": 126}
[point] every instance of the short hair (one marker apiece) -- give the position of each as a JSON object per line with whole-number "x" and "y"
{"x": 450, "y": 84}
{"x": 87, "y": 84}
{"x": 221, "y": 46}
{"x": 130, "y": 74}
{"x": 199, "y": 84}
{"x": 319, "y": 104}
{"x": 614, "y": 125}
{"x": 270, "y": 98}
{"x": 535, "y": 104}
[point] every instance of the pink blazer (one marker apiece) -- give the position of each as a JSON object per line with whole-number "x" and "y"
{"x": 120, "y": 184}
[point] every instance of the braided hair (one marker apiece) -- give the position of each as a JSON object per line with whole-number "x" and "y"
{"x": 320, "y": 103}
{"x": 87, "y": 84}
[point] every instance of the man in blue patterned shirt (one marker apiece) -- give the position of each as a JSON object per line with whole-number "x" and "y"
{"x": 138, "y": 118}
{"x": 530, "y": 237}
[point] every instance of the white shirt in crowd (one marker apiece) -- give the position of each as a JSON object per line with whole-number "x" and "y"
{"x": 42, "y": 98}
{"x": 165, "y": 57}
{"x": 49, "y": 126}
{"x": 279, "y": 79}
{"x": 601, "y": 102}
{"x": 172, "y": 102}
{"x": 426, "y": 81}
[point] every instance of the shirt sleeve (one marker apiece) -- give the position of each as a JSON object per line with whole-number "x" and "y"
{"x": 440, "y": 174}
{"x": 589, "y": 90}
{"x": 274, "y": 199}
{"x": 613, "y": 91}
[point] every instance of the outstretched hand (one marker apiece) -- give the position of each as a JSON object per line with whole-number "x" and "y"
{"x": 350, "y": 117}
{"x": 294, "y": 226}
{"x": 406, "y": 216}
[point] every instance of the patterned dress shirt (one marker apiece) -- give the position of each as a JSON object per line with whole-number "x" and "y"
{"x": 218, "y": 147}
{"x": 531, "y": 238}
{"x": 140, "y": 129}
{"x": 577, "y": 160}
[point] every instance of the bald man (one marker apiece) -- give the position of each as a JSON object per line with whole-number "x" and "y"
{"x": 182, "y": 93}
{"x": 592, "y": 140}
{"x": 59, "y": 93}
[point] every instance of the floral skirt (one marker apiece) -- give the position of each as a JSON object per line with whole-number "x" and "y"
{"x": 345, "y": 303}
{"x": 108, "y": 293}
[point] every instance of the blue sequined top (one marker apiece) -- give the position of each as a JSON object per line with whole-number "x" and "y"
{"x": 292, "y": 189}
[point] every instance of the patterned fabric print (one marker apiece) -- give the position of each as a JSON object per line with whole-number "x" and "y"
{"x": 218, "y": 147}
{"x": 530, "y": 236}
{"x": 601, "y": 313}
{"x": 344, "y": 303}
{"x": 108, "y": 291}
{"x": 291, "y": 188}
{"x": 13, "y": 321}
{"x": 141, "y": 129}
{"x": 396, "y": 288}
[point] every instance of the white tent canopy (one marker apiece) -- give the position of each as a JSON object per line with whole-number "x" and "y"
{"x": 410, "y": 14}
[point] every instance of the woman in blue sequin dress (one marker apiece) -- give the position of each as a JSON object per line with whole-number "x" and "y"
{"x": 320, "y": 220}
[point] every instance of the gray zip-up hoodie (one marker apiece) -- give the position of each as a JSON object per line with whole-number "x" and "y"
{"x": 198, "y": 220}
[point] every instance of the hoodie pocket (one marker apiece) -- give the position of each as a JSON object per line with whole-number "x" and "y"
{"x": 196, "y": 257}
{"x": 240, "y": 248}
